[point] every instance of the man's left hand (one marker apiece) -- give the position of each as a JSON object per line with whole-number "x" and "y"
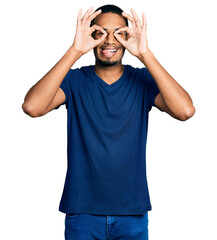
{"x": 136, "y": 42}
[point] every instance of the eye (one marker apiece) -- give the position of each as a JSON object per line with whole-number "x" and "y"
{"x": 120, "y": 33}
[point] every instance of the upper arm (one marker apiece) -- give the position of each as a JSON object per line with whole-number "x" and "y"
{"x": 159, "y": 102}
{"x": 58, "y": 99}
{"x": 161, "y": 105}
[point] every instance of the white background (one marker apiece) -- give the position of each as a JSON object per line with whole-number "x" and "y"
{"x": 181, "y": 156}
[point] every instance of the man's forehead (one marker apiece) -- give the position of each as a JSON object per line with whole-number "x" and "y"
{"x": 110, "y": 20}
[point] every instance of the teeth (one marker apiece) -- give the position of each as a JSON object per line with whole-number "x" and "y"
{"x": 110, "y": 50}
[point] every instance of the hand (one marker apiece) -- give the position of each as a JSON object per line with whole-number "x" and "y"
{"x": 136, "y": 43}
{"x": 83, "y": 41}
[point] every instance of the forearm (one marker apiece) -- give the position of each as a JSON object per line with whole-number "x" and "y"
{"x": 39, "y": 97}
{"x": 175, "y": 97}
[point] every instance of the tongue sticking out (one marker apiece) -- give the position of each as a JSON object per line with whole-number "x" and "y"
{"x": 108, "y": 52}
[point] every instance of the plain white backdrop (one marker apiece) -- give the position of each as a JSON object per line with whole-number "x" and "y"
{"x": 181, "y": 156}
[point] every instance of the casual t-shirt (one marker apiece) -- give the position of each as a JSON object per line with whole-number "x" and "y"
{"x": 106, "y": 142}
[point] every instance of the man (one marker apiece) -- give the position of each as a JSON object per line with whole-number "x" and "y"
{"x": 106, "y": 194}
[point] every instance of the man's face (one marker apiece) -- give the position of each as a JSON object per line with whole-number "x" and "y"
{"x": 110, "y": 51}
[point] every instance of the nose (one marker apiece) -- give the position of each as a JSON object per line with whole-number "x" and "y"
{"x": 110, "y": 38}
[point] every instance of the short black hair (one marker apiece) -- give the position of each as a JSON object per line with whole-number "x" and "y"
{"x": 110, "y": 9}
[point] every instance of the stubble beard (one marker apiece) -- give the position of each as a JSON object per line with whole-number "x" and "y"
{"x": 106, "y": 63}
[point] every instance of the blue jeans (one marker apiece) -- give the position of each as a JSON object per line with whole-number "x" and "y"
{"x": 84, "y": 226}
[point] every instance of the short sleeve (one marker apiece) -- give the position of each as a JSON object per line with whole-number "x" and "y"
{"x": 65, "y": 86}
{"x": 152, "y": 89}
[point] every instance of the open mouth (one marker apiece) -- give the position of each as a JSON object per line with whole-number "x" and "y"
{"x": 109, "y": 52}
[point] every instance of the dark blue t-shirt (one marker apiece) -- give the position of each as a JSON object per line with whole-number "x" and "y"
{"x": 106, "y": 146}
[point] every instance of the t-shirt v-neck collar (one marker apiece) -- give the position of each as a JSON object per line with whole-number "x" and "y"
{"x": 106, "y": 85}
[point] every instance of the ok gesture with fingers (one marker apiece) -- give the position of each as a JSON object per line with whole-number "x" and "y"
{"x": 83, "y": 41}
{"x": 136, "y": 42}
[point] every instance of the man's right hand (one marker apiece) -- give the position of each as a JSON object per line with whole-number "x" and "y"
{"x": 83, "y": 41}
{"x": 46, "y": 94}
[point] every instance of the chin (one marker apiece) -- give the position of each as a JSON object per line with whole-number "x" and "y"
{"x": 107, "y": 63}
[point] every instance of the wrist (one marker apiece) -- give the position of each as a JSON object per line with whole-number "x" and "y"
{"x": 73, "y": 51}
{"x": 143, "y": 56}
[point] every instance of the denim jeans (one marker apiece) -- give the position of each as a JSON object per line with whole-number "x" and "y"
{"x": 84, "y": 226}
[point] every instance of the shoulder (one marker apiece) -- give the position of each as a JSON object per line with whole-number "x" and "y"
{"x": 80, "y": 69}
{"x": 86, "y": 68}
{"x": 139, "y": 73}
{"x": 75, "y": 73}
{"x": 137, "y": 69}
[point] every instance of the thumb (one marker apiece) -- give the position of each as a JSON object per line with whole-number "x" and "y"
{"x": 101, "y": 39}
{"x": 120, "y": 39}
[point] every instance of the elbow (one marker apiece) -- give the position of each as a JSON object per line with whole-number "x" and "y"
{"x": 187, "y": 113}
{"x": 30, "y": 110}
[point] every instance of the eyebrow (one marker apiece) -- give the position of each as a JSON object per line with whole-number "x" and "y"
{"x": 107, "y": 29}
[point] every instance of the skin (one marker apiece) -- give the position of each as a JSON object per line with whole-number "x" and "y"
{"x": 45, "y": 95}
{"x": 172, "y": 98}
{"x": 109, "y": 69}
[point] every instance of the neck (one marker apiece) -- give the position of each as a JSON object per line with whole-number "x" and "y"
{"x": 109, "y": 73}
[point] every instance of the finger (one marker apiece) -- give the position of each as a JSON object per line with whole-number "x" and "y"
{"x": 144, "y": 22}
{"x": 137, "y": 20}
{"x": 91, "y": 17}
{"x": 86, "y": 15}
{"x": 119, "y": 37}
{"x": 96, "y": 27}
{"x": 101, "y": 39}
{"x": 126, "y": 29}
{"x": 79, "y": 16}
{"x": 130, "y": 18}
{"x": 103, "y": 36}
{"x": 121, "y": 40}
